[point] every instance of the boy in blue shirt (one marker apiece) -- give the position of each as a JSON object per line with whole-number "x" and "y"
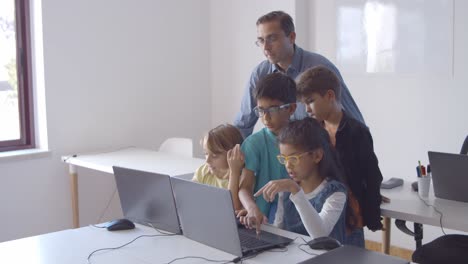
{"x": 275, "y": 96}
{"x": 319, "y": 89}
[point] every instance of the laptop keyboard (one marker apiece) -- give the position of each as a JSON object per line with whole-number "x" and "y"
{"x": 248, "y": 241}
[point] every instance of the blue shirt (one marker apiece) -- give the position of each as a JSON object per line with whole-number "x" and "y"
{"x": 302, "y": 60}
{"x": 261, "y": 151}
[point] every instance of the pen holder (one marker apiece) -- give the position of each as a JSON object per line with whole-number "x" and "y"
{"x": 423, "y": 186}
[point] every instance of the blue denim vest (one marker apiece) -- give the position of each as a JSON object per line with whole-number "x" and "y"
{"x": 292, "y": 220}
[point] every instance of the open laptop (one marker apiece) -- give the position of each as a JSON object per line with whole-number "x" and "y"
{"x": 353, "y": 255}
{"x": 449, "y": 175}
{"x": 207, "y": 215}
{"x": 147, "y": 198}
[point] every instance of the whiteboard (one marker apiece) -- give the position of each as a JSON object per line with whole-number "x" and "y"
{"x": 395, "y": 36}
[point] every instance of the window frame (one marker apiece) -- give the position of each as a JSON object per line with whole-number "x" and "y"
{"x": 24, "y": 77}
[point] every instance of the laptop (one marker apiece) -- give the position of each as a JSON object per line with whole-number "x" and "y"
{"x": 147, "y": 198}
{"x": 207, "y": 216}
{"x": 353, "y": 255}
{"x": 449, "y": 175}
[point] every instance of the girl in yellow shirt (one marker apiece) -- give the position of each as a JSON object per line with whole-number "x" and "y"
{"x": 224, "y": 160}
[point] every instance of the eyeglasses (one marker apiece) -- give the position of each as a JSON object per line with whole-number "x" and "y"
{"x": 293, "y": 159}
{"x": 268, "y": 40}
{"x": 274, "y": 110}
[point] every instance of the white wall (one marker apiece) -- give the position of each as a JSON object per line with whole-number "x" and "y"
{"x": 117, "y": 73}
{"x": 407, "y": 115}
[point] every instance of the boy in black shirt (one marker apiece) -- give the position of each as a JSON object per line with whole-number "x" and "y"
{"x": 319, "y": 89}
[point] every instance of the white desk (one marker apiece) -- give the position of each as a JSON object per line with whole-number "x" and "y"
{"x": 406, "y": 205}
{"x": 134, "y": 158}
{"x": 74, "y": 245}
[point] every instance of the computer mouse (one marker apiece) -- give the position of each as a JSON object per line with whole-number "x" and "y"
{"x": 326, "y": 243}
{"x": 391, "y": 183}
{"x": 120, "y": 224}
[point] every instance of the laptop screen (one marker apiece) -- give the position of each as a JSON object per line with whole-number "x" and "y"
{"x": 449, "y": 175}
{"x": 207, "y": 215}
{"x": 147, "y": 198}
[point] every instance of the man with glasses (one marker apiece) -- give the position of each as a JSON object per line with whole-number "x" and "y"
{"x": 276, "y": 37}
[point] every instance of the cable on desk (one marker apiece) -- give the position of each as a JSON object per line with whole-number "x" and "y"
{"x": 107, "y": 206}
{"x": 126, "y": 244}
{"x": 196, "y": 257}
{"x": 98, "y": 226}
{"x": 164, "y": 233}
{"x": 236, "y": 260}
{"x": 280, "y": 249}
{"x": 305, "y": 244}
{"x": 437, "y": 211}
{"x": 245, "y": 258}
{"x": 241, "y": 259}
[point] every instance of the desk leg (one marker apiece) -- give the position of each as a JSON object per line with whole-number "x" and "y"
{"x": 74, "y": 195}
{"x": 418, "y": 234}
{"x": 387, "y": 223}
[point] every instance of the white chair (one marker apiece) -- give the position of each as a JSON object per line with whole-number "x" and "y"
{"x": 179, "y": 146}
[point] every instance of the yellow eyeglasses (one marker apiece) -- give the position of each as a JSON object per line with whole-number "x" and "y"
{"x": 293, "y": 159}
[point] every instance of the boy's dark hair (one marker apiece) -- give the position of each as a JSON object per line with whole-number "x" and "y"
{"x": 276, "y": 86}
{"x": 319, "y": 80}
{"x": 309, "y": 135}
{"x": 285, "y": 20}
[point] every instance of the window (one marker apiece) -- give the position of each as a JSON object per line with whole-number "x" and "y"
{"x": 395, "y": 37}
{"x": 16, "y": 102}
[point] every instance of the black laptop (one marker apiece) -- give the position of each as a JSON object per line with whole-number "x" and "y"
{"x": 449, "y": 175}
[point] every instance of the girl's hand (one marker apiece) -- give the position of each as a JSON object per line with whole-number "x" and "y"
{"x": 270, "y": 189}
{"x": 235, "y": 159}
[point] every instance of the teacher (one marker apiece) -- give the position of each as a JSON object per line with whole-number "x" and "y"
{"x": 276, "y": 37}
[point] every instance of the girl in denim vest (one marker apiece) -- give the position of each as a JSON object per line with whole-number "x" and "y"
{"x": 313, "y": 201}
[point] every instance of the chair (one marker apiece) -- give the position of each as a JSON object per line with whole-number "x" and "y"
{"x": 464, "y": 149}
{"x": 179, "y": 146}
{"x": 447, "y": 248}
